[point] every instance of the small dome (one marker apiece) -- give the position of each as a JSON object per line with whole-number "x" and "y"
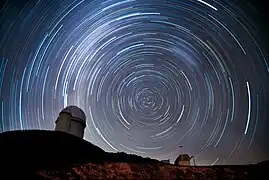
{"x": 184, "y": 157}
{"x": 75, "y": 112}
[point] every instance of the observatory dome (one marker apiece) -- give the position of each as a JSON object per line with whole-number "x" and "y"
{"x": 75, "y": 112}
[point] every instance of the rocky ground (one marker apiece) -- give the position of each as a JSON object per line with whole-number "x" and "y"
{"x": 149, "y": 171}
{"x": 57, "y": 155}
{"x": 136, "y": 171}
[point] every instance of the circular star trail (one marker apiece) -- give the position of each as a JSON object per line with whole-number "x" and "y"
{"x": 150, "y": 75}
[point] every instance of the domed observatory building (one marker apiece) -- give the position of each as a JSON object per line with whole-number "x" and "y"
{"x": 71, "y": 120}
{"x": 184, "y": 160}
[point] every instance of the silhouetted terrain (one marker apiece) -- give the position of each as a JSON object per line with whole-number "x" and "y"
{"x": 57, "y": 155}
{"x": 32, "y": 150}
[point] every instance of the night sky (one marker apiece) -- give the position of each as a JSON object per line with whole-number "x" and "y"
{"x": 149, "y": 75}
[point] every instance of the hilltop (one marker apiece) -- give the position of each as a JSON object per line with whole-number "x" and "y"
{"x": 57, "y": 155}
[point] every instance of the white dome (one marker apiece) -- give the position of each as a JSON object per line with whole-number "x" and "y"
{"x": 75, "y": 112}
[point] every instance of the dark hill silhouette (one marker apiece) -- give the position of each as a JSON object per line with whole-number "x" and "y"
{"x": 53, "y": 150}
{"x": 57, "y": 155}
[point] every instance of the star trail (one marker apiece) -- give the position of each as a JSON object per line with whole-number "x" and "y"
{"x": 150, "y": 75}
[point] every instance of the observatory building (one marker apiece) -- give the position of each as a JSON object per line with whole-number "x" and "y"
{"x": 184, "y": 160}
{"x": 71, "y": 120}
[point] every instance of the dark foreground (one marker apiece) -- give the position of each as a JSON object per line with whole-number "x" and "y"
{"x": 57, "y": 155}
